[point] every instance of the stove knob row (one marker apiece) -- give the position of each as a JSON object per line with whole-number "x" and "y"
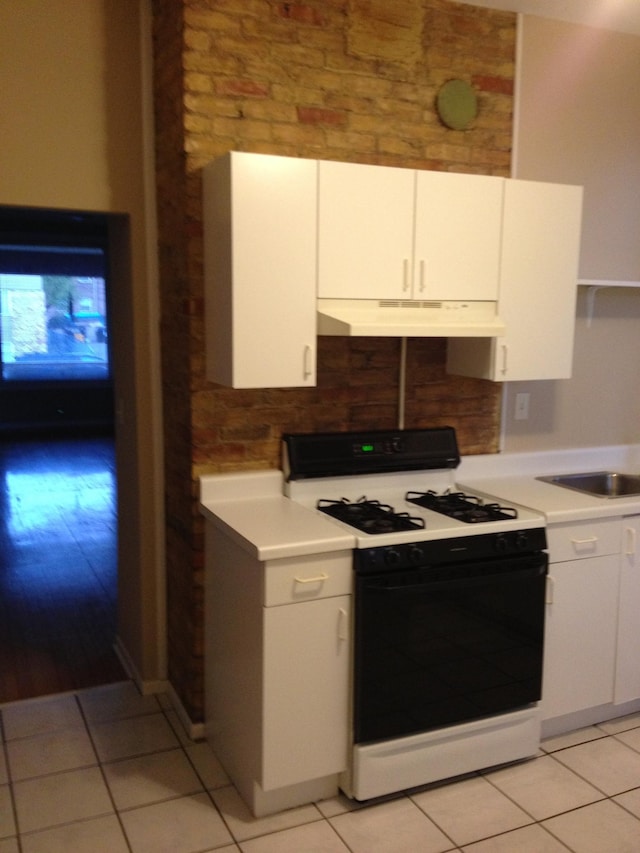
{"x": 416, "y": 555}
{"x": 411, "y": 555}
{"x": 504, "y": 543}
{"x": 392, "y": 557}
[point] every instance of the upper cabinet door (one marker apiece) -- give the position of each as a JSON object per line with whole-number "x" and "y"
{"x": 260, "y": 270}
{"x": 389, "y": 233}
{"x": 541, "y": 248}
{"x": 538, "y": 282}
{"x": 365, "y": 231}
{"x": 457, "y": 239}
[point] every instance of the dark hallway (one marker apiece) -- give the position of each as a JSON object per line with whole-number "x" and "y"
{"x": 58, "y": 566}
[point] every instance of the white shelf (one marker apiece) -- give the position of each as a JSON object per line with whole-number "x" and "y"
{"x": 605, "y": 282}
{"x": 594, "y": 285}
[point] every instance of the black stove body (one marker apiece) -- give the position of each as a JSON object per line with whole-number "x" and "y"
{"x": 449, "y": 595}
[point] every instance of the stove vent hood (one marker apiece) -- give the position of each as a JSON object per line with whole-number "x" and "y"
{"x": 410, "y": 319}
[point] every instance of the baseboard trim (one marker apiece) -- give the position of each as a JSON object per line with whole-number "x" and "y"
{"x": 145, "y": 687}
{"x": 195, "y": 731}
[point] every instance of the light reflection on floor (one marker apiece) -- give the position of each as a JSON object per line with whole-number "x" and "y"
{"x": 58, "y": 565}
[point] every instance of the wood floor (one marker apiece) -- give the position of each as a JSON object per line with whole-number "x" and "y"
{"x": 58, "y": 566}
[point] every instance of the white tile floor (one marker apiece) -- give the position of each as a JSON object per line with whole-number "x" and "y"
{"x": 109, "y": 771}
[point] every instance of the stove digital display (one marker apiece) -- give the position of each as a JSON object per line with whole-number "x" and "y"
{"x": 377, "y": 448}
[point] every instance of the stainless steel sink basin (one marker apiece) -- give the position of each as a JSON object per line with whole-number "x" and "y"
{"x": 602, "y": 484}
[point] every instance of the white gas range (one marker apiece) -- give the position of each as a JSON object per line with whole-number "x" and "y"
{"x": 395, "y": 487}
{"x": 449, "y": 606}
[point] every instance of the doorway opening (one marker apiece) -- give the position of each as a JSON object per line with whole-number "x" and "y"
{"x": 58, "y": 489}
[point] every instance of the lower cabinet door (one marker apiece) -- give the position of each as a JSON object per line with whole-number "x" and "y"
{"x": 627, "y": 685}
{"x": 307, "y": 651}
{"x": 580, "y": 635}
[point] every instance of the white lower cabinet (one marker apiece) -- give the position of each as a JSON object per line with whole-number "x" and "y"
{"x": 306, "y": 678}
{"x": 627, "y": 677}
{"x": 277, "y": 669}
{"x": 592, "y": 637}
{"x": 580, "y": 636}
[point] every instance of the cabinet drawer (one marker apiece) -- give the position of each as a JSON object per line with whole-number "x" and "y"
{"x": 578, "y": 540}
{"x": 296, "y": 579}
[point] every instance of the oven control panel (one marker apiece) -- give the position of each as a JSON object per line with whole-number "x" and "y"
{"x": 460, "y": 549}
{"x": 373, "y": 451}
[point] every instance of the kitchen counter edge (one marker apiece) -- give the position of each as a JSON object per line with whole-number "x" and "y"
{"x": 250, "y": 508}
{"x": 512, "y": 477}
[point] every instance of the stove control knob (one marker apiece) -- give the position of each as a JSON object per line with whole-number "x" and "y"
{"x": 392, "y": 557}
{"x": 522, "y": 541}
{"x": 416, "y": 555}
{"x": 501, "y": 543}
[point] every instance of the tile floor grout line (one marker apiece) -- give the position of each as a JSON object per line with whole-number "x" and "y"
{"x": 183, "y": 744}
{"x": 434, "y": 821}
{"x": 116, "y": 811}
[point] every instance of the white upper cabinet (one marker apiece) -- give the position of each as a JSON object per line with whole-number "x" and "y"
{"x": 538, "y": 282}
{"x": 365, "y": 231}
{"x": 260, "y": 270}
{"x": 457, "y": 237}
{"x": 391, "y": 233}
{"x": 282, "y": 232}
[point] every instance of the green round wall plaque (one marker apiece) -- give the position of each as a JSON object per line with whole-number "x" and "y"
{"x": 457, "y": 104}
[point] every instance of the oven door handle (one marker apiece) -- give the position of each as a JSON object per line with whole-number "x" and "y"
{"x": 375, "y": 585}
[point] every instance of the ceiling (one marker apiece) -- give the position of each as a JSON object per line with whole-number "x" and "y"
{"x": 620, "y": 15}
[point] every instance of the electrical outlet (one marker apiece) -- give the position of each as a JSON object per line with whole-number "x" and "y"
{"x": 522, "y": 407}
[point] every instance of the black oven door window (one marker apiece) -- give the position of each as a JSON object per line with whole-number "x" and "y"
{"x": 438, "y": 646}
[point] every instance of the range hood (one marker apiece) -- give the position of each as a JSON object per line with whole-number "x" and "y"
{"x": 410, "y": 319}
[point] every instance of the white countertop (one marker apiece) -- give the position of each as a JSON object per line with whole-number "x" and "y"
{"x": 250, "y": 506}
{"x": 251, "y": 509}
{"x": 512, "y": 477}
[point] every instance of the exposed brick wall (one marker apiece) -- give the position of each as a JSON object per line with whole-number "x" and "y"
{"x": 348, "y": 80}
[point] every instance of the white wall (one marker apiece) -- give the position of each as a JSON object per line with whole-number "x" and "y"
{"x": 578, "y": 121}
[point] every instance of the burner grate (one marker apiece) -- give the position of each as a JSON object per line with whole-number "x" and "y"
{"x": 462, "y": 507}
{"x": 369, "y": 516}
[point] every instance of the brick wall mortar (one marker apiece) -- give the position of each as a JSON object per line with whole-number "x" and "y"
{"x": 334, "y": 79}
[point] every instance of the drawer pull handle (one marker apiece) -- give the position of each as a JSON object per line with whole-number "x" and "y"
{"x": 317, "y": 579}
{"x": 592, "y": 540}
{"x": 307, "y": 362}
{"x": 343, "y": 624}
{"x": 549, "y": 590}
{"x": 631, "y": 541}
{"x": 505, "y": 356}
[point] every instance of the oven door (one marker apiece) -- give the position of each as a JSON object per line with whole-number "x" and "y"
{"x": 439, "y": 645}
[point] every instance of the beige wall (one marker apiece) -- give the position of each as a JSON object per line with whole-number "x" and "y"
{"x": 75, "y": 134}
{"x": 54, "y": 133}
{"x": 578, "y": 121}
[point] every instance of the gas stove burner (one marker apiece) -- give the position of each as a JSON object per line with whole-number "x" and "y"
{"x": 369, "y": 516}
{"x": 457, "y": 505}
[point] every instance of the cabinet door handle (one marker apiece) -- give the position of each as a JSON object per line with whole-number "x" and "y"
{"x": 307, "y": 362}
{"x": 316, "y": 579}
{"x": 421, "y": 280}
{"x": 631, "y": 541}
{"x": 343, "y": 624}
{"x": 405, "y": 275}
{"x": 504, "y": 358}
{"x": 548, "y": 591}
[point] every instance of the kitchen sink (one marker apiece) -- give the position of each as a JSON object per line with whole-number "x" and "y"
{"x": 602, "y": 484}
